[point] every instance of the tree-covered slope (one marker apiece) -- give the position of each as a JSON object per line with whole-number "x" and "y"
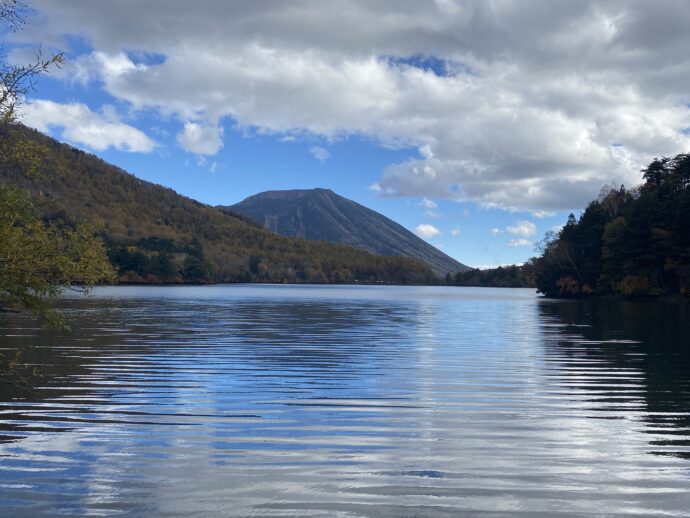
{"x": 629, "y": 242}
{"x": 154, "y": 234}
{"x": 321, "y": 214}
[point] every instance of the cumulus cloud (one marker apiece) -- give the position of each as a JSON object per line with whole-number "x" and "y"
{"x": 495, "y": 231}
{"x": 426, "y": 231}
{"x": 428, "y": 204}
{"x": 200, "y": 138}
{"x": 532, "y": 105}
{"x": 320, "y": 153}
{"x": 514, "y": 243}
{"x": 522, "y": 228}
{"x": 455, "y": 232}
{"x": 430, "y": 207}
{"x": 80, "y": 125}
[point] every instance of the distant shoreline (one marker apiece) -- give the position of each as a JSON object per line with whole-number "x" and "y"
{"x": 622, "y": 298}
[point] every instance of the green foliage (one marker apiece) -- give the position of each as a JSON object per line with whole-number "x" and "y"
{"x": 37, "y": 260}
{"x": 630, "y": 243}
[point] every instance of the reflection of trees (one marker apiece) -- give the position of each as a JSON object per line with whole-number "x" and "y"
{"x": 644, "y": 347}
{"x": 45, "y": 360}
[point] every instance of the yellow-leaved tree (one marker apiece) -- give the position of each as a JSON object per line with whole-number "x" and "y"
{"x": 37, "y": 260}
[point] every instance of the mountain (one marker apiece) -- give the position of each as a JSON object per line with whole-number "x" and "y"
{"x": 322, "y": 215}
{"x": 154, "y": 234}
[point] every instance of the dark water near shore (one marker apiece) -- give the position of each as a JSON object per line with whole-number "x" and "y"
{"x": 347, "y": 401}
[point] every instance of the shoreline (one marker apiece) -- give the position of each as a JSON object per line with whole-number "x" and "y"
{"x": 611, "y": 297}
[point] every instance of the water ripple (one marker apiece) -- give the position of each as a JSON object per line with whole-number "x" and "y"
{"x": 347, "y": 401}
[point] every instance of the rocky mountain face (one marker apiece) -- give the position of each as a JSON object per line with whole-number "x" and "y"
{"x": 321, "y": 214}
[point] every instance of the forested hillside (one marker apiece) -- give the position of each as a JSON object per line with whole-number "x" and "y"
{"x": 154, "y": 234}
{"x": 628, "y": 242}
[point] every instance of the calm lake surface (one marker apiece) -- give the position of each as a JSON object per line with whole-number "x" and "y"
{"x": 347, "y": 401}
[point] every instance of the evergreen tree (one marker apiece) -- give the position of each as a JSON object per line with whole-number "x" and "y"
{"x": 632, "y": 243}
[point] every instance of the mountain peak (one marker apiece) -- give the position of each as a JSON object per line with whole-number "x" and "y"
{"x": 323, "y": 215}
{"x": 291, "y": 194}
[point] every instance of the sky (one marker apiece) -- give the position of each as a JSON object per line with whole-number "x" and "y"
{"x": 479, "y": 125}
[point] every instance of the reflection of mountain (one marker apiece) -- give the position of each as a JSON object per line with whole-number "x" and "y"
{"x": 119, "y": 347}
{"x": 627, "y": 355}
{"x": 311, "y": 335}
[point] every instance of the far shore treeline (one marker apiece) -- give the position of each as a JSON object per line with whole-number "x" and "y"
{"x": 513, "y": 276}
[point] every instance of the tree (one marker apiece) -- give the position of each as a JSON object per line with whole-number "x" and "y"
{"x": 37, "y": 260}
{"x": 681, "y": 170}
{"x": 632, "y": 243}
{"x": 656, "y": 172}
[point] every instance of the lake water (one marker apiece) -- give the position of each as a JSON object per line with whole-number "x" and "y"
{"x": 347, "y": 401}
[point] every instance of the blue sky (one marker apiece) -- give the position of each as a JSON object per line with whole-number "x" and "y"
{"x": 475, "y": 137}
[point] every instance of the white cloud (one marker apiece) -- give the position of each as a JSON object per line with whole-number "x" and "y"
{"x": 513, "y": 243}
{"x": 455, "y": 232}
{"x": 426, "y": 231}
{"x": 98, "y": 65}
{"x": 428, "y": 204}
{"x": 523, "y": 228}
{"x": 200, "y": 138}
{"x": 320, "y": 153}
{"x": 80, "y": 125}
{"x": 495, "y": 231}
{"x": 534, "y": 105}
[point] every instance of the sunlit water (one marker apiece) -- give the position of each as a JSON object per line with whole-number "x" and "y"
{"x": 347, "y": 401}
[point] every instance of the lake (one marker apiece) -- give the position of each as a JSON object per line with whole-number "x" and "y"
{"x": 347, "y": 401}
